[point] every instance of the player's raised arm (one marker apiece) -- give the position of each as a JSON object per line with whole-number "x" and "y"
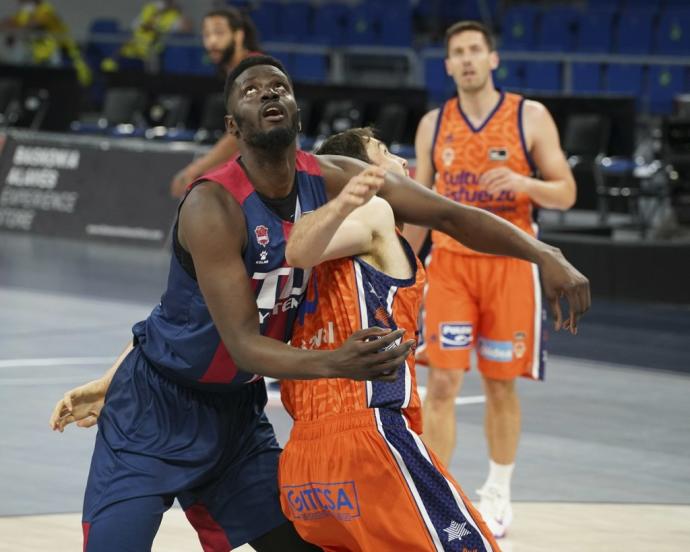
{"x": 211, "y": 228}
{"x": 340, "y": 228}
{"x": 477, "y": 229}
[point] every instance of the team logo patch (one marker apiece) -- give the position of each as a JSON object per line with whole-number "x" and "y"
{"x": 456, "y": 335}
{"x": 498, "y": 154}
{"x": 498, "y": 351}
{"x": 519, "y": 346}
{"x": 447, "y": 155}
{"x": 320, "y": 500}
{"x": 261, "y": 233}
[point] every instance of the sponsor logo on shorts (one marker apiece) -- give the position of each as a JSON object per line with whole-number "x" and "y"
{"x": 498, "y": 351}
{"x": 456, "y": 335}
{"x": 319, "y": 500}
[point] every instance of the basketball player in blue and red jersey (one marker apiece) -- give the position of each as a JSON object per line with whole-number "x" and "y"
{"x": 355, "y": 474}
{"x": 484, "y": 148}
{"x": 183, "y": 415}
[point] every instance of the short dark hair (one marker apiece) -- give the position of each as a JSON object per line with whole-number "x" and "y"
{"x": 237, "y": 21}
{"x": 462, "y": 26}
{"x": 350, "y": 143}
{"x": 245, "y": 64}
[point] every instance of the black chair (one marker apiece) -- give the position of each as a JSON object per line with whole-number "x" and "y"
{"x": 585, "y": 142}
{"x": 212, "y": 121}
{"x": 391, "y": 122}
{"x": 170, "y": 111}
{"x": 10, "y": 101}
{"x": 123, "y": 106}
{"x": 340, "y": 115}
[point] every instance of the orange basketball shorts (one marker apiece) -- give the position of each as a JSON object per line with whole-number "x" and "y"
{"x": 364, "y": 481}
{"x": 491, "y": 304}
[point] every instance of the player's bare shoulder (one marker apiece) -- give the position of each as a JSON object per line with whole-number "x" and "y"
{"x": 536, "y": 120}
{"x": 208, "y": 208}
{"x": 534, "y": 110}
{"x": 427, "y": 124}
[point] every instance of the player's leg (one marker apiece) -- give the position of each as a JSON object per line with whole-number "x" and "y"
{"x": 283, "y": 538}
{"x": 154, "y": 439}
{"x": 510, "y": 325}
{"x": 440, "y": 426}
{"x": 126, "y": 526}
{"x": 450, "y": 319}
{"x": 240, "y": 504}
{"x": 343, "y": 490}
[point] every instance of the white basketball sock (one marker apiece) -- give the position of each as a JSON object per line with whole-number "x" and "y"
{"x": 500, "y": 476}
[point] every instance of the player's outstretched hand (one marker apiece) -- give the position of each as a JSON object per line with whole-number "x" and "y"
{"x": 560, "y": 279}
{"x": 359, "y": 190}
{"x": 82, "y": 405}
{"x": 371, "y": 354}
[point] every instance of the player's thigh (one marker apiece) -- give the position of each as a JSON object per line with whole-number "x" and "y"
{"x": 509, "y": 341}
{"x": 350, "y": 489}
{"x": 450, "y": 312}
{"x": 126, "y": 526}
{"x": 241, "y": 501}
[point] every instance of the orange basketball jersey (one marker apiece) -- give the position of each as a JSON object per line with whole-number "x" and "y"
{"x": 462, "y": 153}
{"x": 343, "y": 296}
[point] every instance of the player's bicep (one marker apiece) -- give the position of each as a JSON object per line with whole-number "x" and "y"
{"x": 423, "y": 143}
{"x": 351, "y": 238}
{"x": 546, "y": 150}
{"x": 213, "y": 235}
{"x": 356, "y": 234}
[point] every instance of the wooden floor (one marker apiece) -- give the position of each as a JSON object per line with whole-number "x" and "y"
{"x": 538, "y": 527}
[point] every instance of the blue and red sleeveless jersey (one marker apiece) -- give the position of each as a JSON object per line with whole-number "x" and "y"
{"x": 179, "y": 337}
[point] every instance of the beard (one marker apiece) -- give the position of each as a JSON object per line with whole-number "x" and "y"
{"x": 274, "y": 140}
{"x": 227, "y": 56}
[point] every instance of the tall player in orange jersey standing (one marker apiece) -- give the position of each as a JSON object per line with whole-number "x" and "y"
{"x": 484, "y": 148}
{"x": 355, "y": 475}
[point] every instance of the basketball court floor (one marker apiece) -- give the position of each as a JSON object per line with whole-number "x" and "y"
{"x": 603, "y": 462}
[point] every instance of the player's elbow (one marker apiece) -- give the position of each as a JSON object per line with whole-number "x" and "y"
{"x": 297, "y": 257}
{"x": 569, "y": 196}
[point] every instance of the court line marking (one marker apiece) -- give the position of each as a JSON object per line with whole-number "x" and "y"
{"x": 273, "y": 394}
{"x": 62, "y": 361}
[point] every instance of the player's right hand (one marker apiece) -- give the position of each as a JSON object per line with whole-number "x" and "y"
{"x": 371, "y": 354}
{"x": 82, "y": 405}
{"x": 359, "y": 190}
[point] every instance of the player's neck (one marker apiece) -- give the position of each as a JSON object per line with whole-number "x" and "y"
{"x": 479, "y": 104}
{"x": 271, "y": 173}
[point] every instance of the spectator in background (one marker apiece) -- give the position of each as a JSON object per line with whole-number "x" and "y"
{"x": 40, "y": 37}
{"x": 156, "y": 20}
{"x": 229, "y": 36}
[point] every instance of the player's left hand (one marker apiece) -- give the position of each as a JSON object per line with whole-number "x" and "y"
{"x": 502, "y": 178}
{"x": 82, "y": 405}
{"x": 559, "y": 280}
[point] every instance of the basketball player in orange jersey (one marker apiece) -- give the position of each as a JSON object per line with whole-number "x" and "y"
{"x": 354, "y": 474}
{"x": 483, "y": 148}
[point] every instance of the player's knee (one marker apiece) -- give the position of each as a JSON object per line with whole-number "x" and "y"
{"x": 500, "y": 391}
{"x": 443, "y": 385}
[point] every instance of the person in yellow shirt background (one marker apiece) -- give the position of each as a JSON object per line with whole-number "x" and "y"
{"x": 39, "y": 36}
{"x": 155, "y": 21}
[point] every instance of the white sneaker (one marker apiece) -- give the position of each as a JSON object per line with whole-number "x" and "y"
{"x": 495, "y": 508}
